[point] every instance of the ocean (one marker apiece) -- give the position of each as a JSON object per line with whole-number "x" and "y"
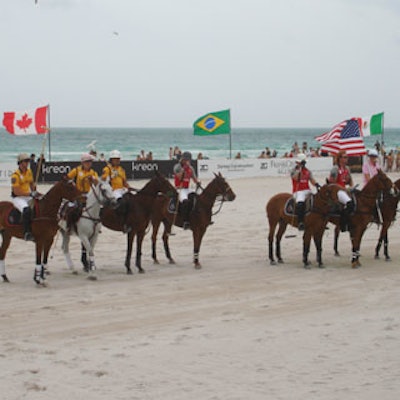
{"x": 67, "y": 144}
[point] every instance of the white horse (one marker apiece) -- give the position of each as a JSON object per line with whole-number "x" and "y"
{"x": 87, "y": 228}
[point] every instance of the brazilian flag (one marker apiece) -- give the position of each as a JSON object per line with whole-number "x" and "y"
{"x": 214, "y": 123}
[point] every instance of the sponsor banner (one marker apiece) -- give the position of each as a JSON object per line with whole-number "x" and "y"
{"x": 6, "y": 170}
{"x": 320, "y": 166}
{"x": 146, "y": 169}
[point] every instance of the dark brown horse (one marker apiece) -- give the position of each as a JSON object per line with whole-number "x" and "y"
{"x": 199, "y": 220}
{"x": 365, "y": 212}
{"x": 323, "y": 202}
{"x": 387, "y": 208}
{"x": 44, "y": 226}
{"x": 139, "y": 210}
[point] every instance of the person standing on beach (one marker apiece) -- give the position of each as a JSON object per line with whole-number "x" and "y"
{"x": 116, "y": 175}
{"x": 183, "y": 173}
{"x": 371, "y": 167}
{"x": 341, "y": 175}
{"x": 301, "y": 176}
{"x": 23, "y": 188}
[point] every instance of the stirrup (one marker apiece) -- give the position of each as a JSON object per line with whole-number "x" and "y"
{"x": 301, "y": 226}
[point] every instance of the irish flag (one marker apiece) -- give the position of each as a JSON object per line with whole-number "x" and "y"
{"x": 372, "y": 125}
{"x": 31, "y": 122}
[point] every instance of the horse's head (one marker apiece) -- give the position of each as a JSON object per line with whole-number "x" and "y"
{"x": 163, "y": 185}
{"x": 104, "y": 194}
{"x": 328, "y": 194}
{"x": 67, "y": 189}
{"x": 223, "y": 188}
{"x": 380, "y": 183}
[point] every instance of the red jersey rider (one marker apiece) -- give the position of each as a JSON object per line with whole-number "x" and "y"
{"x": 301, "y": 176}
{"x": 183, "y": 173}
{"x": 341, "y": 175}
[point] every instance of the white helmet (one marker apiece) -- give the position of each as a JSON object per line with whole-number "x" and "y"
{"x": 23, "y": 157}
{"x": 373, "y": 153}
{"x": 86, "y": 157}
{"x": 115, "y": 154}
{"x": 301, "y": 157}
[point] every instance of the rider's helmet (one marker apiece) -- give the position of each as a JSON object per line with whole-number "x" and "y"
{"x": 86, "y": 157}
{"x": 115, "y": 154}
{"x": 23, "y": 157}
{"x": 301, "y": 158}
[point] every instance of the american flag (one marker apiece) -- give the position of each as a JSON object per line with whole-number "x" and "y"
{"x": 344, "y": 136}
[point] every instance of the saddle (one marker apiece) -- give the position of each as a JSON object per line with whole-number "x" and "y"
{"x": 290, "y": 206}
{"x": 69, "y": 214}
{"x": 14, "y": 216}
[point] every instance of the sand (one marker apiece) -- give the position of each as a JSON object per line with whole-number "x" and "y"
{"x": 238, "y": 328}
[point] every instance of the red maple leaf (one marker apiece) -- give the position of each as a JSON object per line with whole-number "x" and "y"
{"x": 24, "y": 122}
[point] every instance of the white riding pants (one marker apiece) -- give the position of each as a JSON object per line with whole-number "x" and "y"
{"x": 20, "y": 202}
{"x": 184, "y": 193}
{"x": 300, "y": 195}
{"x": 343, "y": 196}
{"x": 118, "y": 193}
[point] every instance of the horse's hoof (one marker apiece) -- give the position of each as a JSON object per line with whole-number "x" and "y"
{"x": 141, "y": 271}
{"x": 376, "y": 257}
{"x": 355, "y": 264}
{"x": 280, "y": 261}
{"x": 388, "y": 259}
{"x": 197, "y": 266}
{"x": 272, "y": 262}
{"x": 307, "y": 265}
{"x": 92, "y": 277}
{"x": 129, "y": 271}
{"x": 337, "y": 254}
{"x": 172, "y": 261}
{"x": 74, "y": 272}
{"x": 5, "y": 279}
{"x": 321, "y": 266}
{"x": 156, "y": 262}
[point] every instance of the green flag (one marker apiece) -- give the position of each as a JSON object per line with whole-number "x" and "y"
{"x": 373, "y": 125}
{"x": 214, "y": 123}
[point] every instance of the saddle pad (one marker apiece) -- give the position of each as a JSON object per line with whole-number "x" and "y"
{"x": 14, "y": 217}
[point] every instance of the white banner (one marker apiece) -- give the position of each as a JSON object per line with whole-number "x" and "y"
{"x": 6, "y": 170}
{"x": 248, "y": 168}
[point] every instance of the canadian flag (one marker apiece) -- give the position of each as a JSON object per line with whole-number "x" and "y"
{"x": 30, "y": 122}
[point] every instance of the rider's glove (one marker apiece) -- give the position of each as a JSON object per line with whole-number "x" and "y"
{"x": 318, "y": 186}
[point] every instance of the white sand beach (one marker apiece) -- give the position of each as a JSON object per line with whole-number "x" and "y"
{"x": 237, "y": 329}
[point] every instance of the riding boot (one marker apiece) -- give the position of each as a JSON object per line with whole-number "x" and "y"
{"x": 122, "y": 212}
{"x": 345, "y": 216}
{"x": 300, "y": 211}
{"x": 185, "y": 211}
{"x": 26, "y": 221}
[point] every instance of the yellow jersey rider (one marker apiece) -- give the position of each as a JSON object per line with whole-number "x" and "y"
{"x": 114, "y": 173}
{"x": 22, "y": 190}
{"x": 84, "y": 175}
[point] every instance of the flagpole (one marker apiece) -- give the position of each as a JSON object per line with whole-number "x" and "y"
{"x": 48, "y": 127}
{"x": 230, "y": 136}
{"x": 383, "y": 128}
{"x": 39, "y": 164}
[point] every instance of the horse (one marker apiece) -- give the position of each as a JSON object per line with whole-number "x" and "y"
{"x": 199, "y": 220}
{"x": 139, "y": 210}
{"x": 315, "y": 221}
{"x": 44, "y": 226}
{"x": 366, "y": 209}
{"x": 88, "y": 226}
{"x": 388, "y": 211}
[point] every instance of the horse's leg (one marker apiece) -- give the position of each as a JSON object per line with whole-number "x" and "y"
{"x": 318, "y": 234}
{"x": 306, "y": 248}
{"x": 357, "y": 234}
{"x": 271, "y": 234}
{"x": 383, "y": 238}
{"x": 65, "y": 249}
{"x": 139, "y": 241}
{"x": 165, "y": 237}
{"x": 386, "y": 247}
{"x": 198, "y": 233}
{"x": 129, "y": 237}
{"x": 3, "y": 250}
{"x": 336, "y": 240}
{"x": 39, "y": 275}
{"x": 89, "y": 249}
{"x": 156, "y": 225}
{"x": 281, "y": 231}
{"x": 84, "y": 259}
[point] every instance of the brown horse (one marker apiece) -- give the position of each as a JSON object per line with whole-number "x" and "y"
{"x": 365, "y": 212}
{"x": 44, "y": 226}
{"x": 315, "y": 221}
{"x": 139, "y": 210}
{"x": 389, "y": 211}
{"x": 199, "y": 220}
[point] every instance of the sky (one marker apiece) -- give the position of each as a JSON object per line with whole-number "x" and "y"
{"x": 165, "y": 63}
